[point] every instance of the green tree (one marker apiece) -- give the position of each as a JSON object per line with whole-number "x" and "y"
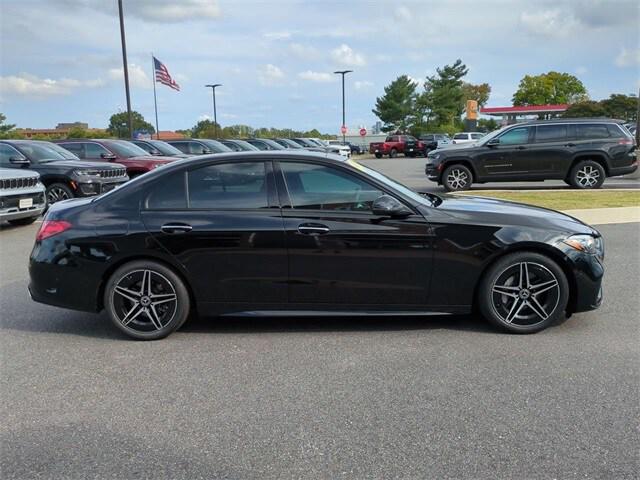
{"x": 5, "y": 128}
{"x": 549, "y": 88}
{"x": 585, "y": 109}
{"x": 205, "y": 129}
{"x": 480, "y": 93}
{"x": 396, "y": 108}
{"x": 119, "y": 127}
{"x": 623, "y": 107}
{"x": 443, "y": 97}
{"x": 488, "y": 124}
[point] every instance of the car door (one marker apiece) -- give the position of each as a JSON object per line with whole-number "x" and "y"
{"x": 340, "y": 253}
{"x": 222, "y": 222}
{"x": 507, "y": 158}
{"x": 549, "y": 154}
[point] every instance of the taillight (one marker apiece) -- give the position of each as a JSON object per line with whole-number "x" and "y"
{"x": 50, "y": 228}
{"x": 626, "y": 141}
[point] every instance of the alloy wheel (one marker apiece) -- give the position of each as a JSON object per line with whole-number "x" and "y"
{"x": 587, "y": 176}
{"x": 56, "y": 194}
{"x": 457, "y": 179}
{"x": 525, "y": 294}
{"x": 144, "y": 300}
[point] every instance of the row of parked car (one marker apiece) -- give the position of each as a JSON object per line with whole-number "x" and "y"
{"x": 34, "y": 174}
{"x": 414, "y": 147}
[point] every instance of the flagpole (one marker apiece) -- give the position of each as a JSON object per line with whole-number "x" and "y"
{"x": 155, "y": 99}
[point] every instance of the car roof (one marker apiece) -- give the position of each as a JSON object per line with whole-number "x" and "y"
{"x": 573, "y": 120}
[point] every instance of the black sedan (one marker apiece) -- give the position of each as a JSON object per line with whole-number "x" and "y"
{"x": 275, "y": 233}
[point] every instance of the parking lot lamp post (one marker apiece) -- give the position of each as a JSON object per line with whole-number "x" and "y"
{"x": 213, "y": 94}
{"x": 343, "y": 73}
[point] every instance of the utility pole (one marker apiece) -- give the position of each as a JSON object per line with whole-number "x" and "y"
{"x": 126, "y": 69}
{"x": 343, "y": 126}
{"x": 213, "y": 94}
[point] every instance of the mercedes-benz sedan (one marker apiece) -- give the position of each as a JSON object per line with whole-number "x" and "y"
{"x": 287, "y": 233}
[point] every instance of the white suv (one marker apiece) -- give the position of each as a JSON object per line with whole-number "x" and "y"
{"x": 467, "y": 137}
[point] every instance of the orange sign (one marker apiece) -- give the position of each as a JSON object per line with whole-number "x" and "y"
{"x": 472, "y": 110}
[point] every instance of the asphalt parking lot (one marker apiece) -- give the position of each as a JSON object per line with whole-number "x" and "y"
{"x": 410, "y": 171}
{"x": 320, "y": 398}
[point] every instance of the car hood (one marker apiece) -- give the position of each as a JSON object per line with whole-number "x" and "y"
{"x": 10, "y": 173}
{"x": 153, "y": 158}
{"x": 66, "y": 164}
{"x": 449, "y": 147}
{"x": 502, "y": 212}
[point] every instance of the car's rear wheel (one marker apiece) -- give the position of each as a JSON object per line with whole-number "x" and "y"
{"x": 23, "y": 221}
{"x": 523, "y": 292}
{"x": 457, "y": 178}
{"x": 587, "y": 175}
{"x": 57, "y": 192}
{"x": 378, "y": 155}
{"x": 146, "y": 300}
{"x": 393, "y": 153}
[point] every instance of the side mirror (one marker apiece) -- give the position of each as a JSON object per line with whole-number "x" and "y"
{"x": 493, "y": 142}
{"x": 108, "y": 156}
{"x": 19, "y": 160}
{"x": 388, "y": 206}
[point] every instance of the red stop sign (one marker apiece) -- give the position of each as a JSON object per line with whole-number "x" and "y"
{"x": 343, "y": 129}
{"x": 363, "y": 132}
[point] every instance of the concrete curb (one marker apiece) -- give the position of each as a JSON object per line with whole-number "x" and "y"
{"x": 604, "y": 216}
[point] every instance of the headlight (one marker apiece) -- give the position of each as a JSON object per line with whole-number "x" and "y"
{"x": 586, "y": 244}
{"x": 434, "y": 156}
{"x": 86, "y": 173}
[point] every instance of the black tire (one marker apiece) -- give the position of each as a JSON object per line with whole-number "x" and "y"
{"x": 57, "y": 192}
{"x": 23, "y": 221}
{"x": 587, "y": 175}
{"x": 378, "y": 155}
{"x": 410, "y": 155}
{"x": 457, "y": 178}
{"x": 523, "y": 306}
{"x": 393, "y": 153}
{"x": 133, "y": 311}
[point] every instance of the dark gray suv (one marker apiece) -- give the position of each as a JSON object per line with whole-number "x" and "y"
{"x": 582, "y": 152}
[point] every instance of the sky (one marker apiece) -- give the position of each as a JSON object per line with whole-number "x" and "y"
{"x": 60, "y": 60}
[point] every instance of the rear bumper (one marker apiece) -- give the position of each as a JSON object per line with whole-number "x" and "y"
{"x": 614, "y": 172}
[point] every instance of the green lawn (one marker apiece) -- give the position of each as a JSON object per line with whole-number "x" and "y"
{"x": 567, "y": 200}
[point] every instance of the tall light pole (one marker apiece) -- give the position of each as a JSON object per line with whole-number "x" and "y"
{"x": 215, "y": 115}
{"x": 343, "y": 73}
{"x": 126, "y": 69}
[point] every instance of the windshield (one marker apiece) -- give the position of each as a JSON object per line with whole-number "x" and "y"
{"x": 289, "y": 143}
{"x": 125, "y": 149}
{"x": 395, "y": 185}
{"x": 493, "y": 134}
{"x": 165, "y": 148}
{"x": 40, "y": 152}
{"x": 215, "y": 146}
{"x": 244, "y": 145}
{"x": 274, "y": 145}
{"x": 62, "y": 151}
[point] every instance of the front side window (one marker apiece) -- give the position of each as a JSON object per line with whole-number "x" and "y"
{"x": 76, "y": 148}
{"x": 590, "y": 131}
{"x": 517, "y": 136}
{"x": 6, "y": 153}
{"x": 238, "y": 185}
{"x": 551, "y": 133}
{"x": 182, "y": 146}
{"x": 319, "y": 187}
{"x": 476, "y": 136}
{"x": 145, "y": 146}
{"x": 93, "y": 150}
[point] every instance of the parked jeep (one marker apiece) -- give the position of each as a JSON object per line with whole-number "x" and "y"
{"x": 582, "y": 152}
{"x": 63, "y": 174}
{"x": 22, "y": 198}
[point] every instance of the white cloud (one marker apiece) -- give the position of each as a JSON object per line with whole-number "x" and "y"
{"x": 162, "y": 11}
{"x": 283, "y": 35}
{"x": 345, "y": 55}
{"x": 270, "y": 75}
{"x": 229, "y": 115}
{"x": 138, "y": 78}
{"x": 414, "y": 80}
{"x": 33, "y": 86}
{"x": 549, "y": 23}
{"x": 304, "y": 52}
{"x": 403, "y": 14}
{"x": 628, "y": 58}
{"x": 204, "y": 116}
{"x": 362, "y": 84}
{"x": 316, "y": 76}
{"x": 581, "y": 70}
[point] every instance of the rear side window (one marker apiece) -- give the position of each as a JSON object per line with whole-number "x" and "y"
{"x": 182, "y": 146}
{"x": 167, "y": 194}
{"x": 93, "y": 150}
{"x": 238, "y": 185}
{"x": 615, "y": 131}
{"x": 460, "y": 136}
{"x": 75, "y": 148}
{"x": 590, "y": 131}
{"x": 551, "y": 133}
{"x": 476, "y": 136}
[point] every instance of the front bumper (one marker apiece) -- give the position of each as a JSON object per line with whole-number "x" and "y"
{"x": 23, "y": 204}
{"x": 93, "y": 188}
{"x": 432, "y": 172}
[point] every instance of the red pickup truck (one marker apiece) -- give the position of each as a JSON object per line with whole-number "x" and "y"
{"x": 395, "y": 144}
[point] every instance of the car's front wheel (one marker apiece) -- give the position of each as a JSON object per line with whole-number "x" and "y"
{"x": 523, "y": 292}
{"x": 457, "y": 178}
{"x": 57, "y": 192}
{"x": 587, "y": 175}
{"x": 378, "y": 155}
{"x": 146, "y": 300}
{"x": 393, "y": 153}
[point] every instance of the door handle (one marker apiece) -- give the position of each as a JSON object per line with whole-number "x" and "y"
{"x": 313, "y": 229}
{"x": 176, "y": 228}
{"x": 521, "y": 148}
{"x": 569, "y": 144}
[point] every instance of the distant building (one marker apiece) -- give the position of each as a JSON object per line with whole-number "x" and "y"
{"x": 69, "y": 126}
{"x": 511, "y": 115}
{"x": 168, "y": 135}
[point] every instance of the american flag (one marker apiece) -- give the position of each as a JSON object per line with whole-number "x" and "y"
{"x": 162, "y": 75}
